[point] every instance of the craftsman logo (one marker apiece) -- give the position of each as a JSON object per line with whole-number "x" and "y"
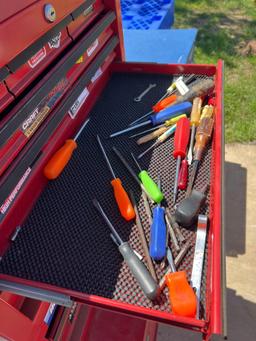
{"x": 37, "y": 58}
{"x": 30, "y": 120}
{"x": 92, "y": 48}
{"x": 30, "y": 125}
{"x": 54, "y": 43}
{"x": 78, "y": 103}
{"x": 14, "y": 193}
{"x": 98, "y": 73}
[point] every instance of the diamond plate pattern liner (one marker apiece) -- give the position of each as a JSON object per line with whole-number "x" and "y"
{"x": 64, "y": 242}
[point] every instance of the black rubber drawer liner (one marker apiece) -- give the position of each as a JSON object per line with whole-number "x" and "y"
{"x": 64, "y": 242}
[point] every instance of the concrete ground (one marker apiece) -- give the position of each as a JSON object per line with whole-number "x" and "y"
{"x": 240, "y": 221}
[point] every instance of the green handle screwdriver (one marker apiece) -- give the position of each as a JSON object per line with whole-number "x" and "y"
{"x": 152, "y": 188}
{"x": 143, "y": 179}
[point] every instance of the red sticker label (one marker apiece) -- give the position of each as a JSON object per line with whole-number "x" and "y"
{"x": 37, "y": 58}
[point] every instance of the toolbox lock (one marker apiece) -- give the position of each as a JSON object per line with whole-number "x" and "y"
{"x": 49, "y": 13}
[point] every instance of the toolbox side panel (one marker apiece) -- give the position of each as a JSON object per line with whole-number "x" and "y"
{"x": 216, "y": 314}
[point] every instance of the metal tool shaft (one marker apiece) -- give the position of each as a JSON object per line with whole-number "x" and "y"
{"x": 104, "y": 216}
{"x": 140, "y": 118}
{"x": 191, "y": 145}
{"x": 130, "y": 128}
{"x": 147, "y": 208}
{"x": 136, "y": 162}
{"x": 143, "y": 238}
{"x": 172, "y": 234}
{"x": 147, "y": 131}
{"x": 175, "y": 189}
{"x": 81, "y": 129}
{"x": 175, "y": 226}
{"x": 105, "y": 156}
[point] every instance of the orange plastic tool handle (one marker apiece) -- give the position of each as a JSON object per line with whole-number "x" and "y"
{"x": 59, "y": 160}
{"x": 164, "y": 103}
{"x": 123, "y": 201}
{"x": 182, "y": 296}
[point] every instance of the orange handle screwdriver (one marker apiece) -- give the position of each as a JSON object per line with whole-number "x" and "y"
{"x": 61, "y": 158}
{"x": 182, "y": 296}
{"x": 164, "y": 103}
{"x": 122, "y": 199}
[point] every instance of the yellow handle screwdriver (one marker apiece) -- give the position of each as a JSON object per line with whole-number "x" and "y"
{"x": 203, "y": 135}
{"x": 166, "y": 124}
{"x": 159, "y": 131}
{"x": 194, "y": 122}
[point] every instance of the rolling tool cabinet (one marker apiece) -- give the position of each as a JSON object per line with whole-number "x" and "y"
{"x": 53, "y": 245}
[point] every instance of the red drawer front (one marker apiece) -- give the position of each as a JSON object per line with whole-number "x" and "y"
{"x": 83, "y": 20}
{"x": 10, "y": 8}
{"x": 19, "y": 80}
{"x": 5, "y": 97}
{"x": 21, "y": 30}
{"x": 41, "y": 111}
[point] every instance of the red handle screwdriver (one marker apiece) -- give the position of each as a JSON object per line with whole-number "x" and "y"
{"x": 181, "y": 139}
{"x": 183, "y": 175}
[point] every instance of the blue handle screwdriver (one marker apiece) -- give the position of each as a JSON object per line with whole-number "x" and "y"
{"x": 157, "y": 246}
{"x": 160, "y": 117}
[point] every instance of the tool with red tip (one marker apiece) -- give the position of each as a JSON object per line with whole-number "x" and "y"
{"x": 181, "y": 138}
{"x": 183, "y": 175}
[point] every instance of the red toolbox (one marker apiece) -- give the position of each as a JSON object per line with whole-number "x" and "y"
{"x": 52, "y": 241}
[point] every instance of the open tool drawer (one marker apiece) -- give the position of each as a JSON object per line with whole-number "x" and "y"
{"x": 53, "y": 243}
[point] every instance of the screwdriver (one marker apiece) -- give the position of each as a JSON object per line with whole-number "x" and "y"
{"x": 203, "y": 135}
{"x": 143, "y": 180}
{"x": 165, "y": 125}
{"x": 182, "y": 297}
{"x": 157, "y": 107}
{"x": 180, "y": 146}
{"x": 160, "y": 117}
{"x": 157, "y": 245}
{"x": 194, "y": 122}
{"x": 160, "y": 130}
{"x": 199, "y": 89}
{"x": 160, "y": 140}
{"x": 143, "y": 238}
{"x": 163, "y": 100}
{"x": 174, "y": 225}
{"x": 177, "y": 262}
{"x": 183, "y": 175}
{"x": 60, "y": 159}
{"x": 138, "y": 269}
{"x": 152, "y": 188}
{"x": 122, "y": 199}
{"x": 172, "y": 87}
